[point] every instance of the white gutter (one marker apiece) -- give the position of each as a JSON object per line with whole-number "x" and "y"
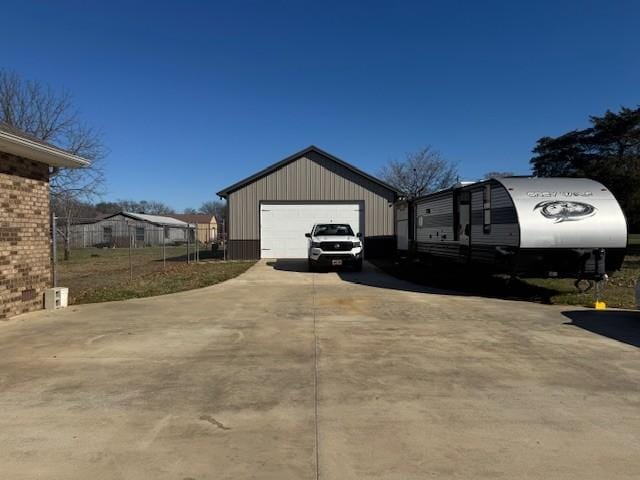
{"x": 24, "y": 147}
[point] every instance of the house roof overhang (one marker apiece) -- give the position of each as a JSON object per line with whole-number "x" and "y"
{"x": 26, "y": 147}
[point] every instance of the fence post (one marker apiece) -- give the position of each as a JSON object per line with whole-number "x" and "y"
{"x": 188, "y": 245}
{"x": 197, "y": 231}
{"x": 130, "y": 253}
{"x": 164, "y": 251}
{"x": 54, "y": 250}
{"x": 224, "y": 239}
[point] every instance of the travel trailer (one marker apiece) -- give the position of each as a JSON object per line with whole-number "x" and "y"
{"x": 522, "y": 226}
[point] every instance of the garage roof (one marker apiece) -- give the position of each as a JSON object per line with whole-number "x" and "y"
{"x": 21, "y": 144}
{"x": 262, "y": 173}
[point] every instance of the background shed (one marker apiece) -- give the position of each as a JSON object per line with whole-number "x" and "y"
{"x": 144, "y": 230}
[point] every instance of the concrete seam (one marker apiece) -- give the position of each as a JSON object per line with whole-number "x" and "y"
{"x": 315, "y": 379}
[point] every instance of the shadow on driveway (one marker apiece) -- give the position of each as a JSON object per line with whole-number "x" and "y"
{"x": 621, "y": 325}
{"x": 289, "y": 264}
{"x": 370, "y": 276}
{"x": 411, "y": 277}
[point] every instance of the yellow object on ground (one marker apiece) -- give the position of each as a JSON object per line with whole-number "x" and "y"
{"x": 600, "y": 306}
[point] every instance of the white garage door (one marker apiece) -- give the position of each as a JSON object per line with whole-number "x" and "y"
{"x": 282, "y": 226}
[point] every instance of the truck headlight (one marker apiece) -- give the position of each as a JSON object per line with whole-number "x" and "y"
{"x": 315, "y": 244}
{"x": 357, "y": 244}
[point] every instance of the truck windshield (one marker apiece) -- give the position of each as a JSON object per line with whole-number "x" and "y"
{"x": 333, "y": 229}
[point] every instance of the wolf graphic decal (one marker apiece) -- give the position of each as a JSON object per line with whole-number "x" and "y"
{"x": 565, "y": 211}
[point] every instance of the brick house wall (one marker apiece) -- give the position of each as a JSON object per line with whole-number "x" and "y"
{"x": 25, "y": 261}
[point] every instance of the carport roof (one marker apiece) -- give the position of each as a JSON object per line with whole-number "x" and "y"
{"x": 155, "y": 219}
{"x": 262, "y": 173}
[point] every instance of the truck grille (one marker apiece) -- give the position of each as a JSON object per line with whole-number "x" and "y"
{"x": 336, "y": 246}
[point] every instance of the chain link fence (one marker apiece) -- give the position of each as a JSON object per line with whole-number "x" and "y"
{"x": 117, "y": 250}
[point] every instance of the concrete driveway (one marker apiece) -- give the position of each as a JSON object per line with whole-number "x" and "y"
{"x": 284, "y": 374}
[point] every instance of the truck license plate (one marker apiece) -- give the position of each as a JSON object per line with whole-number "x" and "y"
{"x": 336, "y": 262}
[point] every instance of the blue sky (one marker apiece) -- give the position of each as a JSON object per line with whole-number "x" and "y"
{"x": 193, "y": 96}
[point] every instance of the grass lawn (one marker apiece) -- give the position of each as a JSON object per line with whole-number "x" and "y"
{"x": 102, "y": 275}
{"x": 619, "y": 291}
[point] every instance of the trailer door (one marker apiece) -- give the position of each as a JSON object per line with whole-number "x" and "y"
{"x": 462, "y": 218}
{"x": 462, "y": 223}
{"x": 402, "y": 227}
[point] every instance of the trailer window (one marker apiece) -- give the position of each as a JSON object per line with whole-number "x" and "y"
{"x": 486, "y": 208}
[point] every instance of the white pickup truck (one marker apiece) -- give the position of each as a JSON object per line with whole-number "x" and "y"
{"x": 334, "y": 245}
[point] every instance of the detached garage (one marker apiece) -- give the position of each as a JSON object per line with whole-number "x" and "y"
{"x": 269, "y": 212}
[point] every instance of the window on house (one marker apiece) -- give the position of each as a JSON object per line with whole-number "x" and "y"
{"x": 486, "y": 207}
{"x": 166, "y": 233}
{"x": 139, "y": 234}
{"x": 107, "y": 233}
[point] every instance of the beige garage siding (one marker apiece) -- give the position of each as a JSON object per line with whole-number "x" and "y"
{"x": 312, "y": 177}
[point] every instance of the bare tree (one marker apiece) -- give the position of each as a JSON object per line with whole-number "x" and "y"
{"x": 103, "y": 208}
{"x": 154, "y": 207}
{"x": 48, "y": 115}
{"x": 80, "y": 209}
{"x": 215, "y": 208}
{"x": 190, "y": 211}
{"x": 151, "y": 207}
{"x": 420, "y": 172}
